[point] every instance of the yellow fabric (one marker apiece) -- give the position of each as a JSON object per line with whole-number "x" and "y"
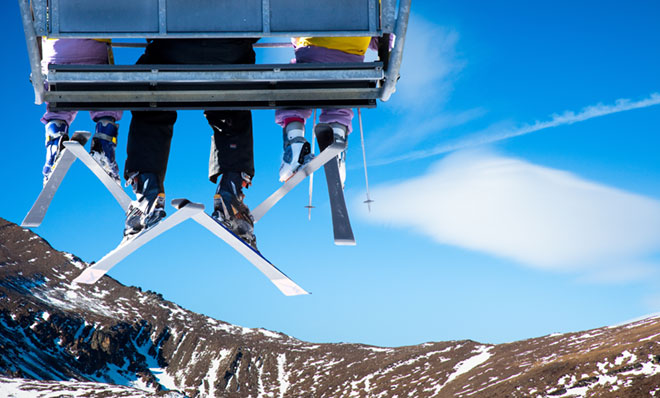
{"x": 351, "y": 45}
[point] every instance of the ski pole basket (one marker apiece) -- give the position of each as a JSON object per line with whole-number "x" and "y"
{"x": 150, "y": 87}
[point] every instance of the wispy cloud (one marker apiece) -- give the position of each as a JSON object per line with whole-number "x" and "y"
{"x": 418, "y": 129}
{"x": 430, "y": 65}
{"x": 497, "y": 133}
{"x": 534, "y": 215}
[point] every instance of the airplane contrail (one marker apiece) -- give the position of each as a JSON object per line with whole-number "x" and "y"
{"x": 568, "y": 117}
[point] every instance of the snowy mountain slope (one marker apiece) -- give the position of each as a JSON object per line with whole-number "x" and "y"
{"x": 119, "y": 339}
{"x": 26, "y": 388}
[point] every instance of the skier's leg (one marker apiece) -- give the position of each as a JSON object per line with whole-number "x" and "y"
{"x": 340, "y": 130}
{"x": 72, "y": 51}
{"x": 56, "y": 133}
{"x": 148, "y": 143}
{"x": 232, "y": 157}
{"x": 149, "y": 206}
{"x": 343, "y": 116}
{"x": 339, "y": 119}
{"x": 148, "y": 149}
{"x": 104, "y": 144}
{"x": 296, "y": 149}
{"x": 232, "y": 138}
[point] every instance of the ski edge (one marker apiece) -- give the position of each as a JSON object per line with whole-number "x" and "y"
{"x": 37, "y": 212}
{"x": 287, "y": 286}
{"x": 93, "y": 273}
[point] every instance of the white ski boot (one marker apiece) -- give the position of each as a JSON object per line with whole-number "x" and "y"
{"x": 297, "y": 151}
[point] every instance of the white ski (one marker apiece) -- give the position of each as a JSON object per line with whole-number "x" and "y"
{"x": 330, "y": 152}
{"x": 38, "y": 211}
{"x": 279, "y": 279}
{"x": 110, "y": 183}
{"x": 73, "y": 149}
{"x": 97, "y": 270}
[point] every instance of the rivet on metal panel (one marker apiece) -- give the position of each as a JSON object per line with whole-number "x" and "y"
{"x": 154, "y": 73}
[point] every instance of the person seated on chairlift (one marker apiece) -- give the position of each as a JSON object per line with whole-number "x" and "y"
{"x": 296, "y": 149}
{"x": 104, "y": 141}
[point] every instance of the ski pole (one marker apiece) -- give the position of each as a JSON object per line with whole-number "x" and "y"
{"x": 311, "y": 176}
{"x": 364, "y": 158}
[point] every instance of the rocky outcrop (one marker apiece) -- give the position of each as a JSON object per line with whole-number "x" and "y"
{"x": 137, "y": 344}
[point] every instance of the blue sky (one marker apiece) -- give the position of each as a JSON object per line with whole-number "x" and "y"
{"x": 515, "y": 174}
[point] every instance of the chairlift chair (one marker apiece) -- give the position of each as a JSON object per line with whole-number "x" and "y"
{"x": 151, "y": 87}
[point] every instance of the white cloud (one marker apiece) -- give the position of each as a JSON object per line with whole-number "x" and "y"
{"x": 429, "y": 67}
{"x": 534, "y": 215}
{"x": 496, "y": 132}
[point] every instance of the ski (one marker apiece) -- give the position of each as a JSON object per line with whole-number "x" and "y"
{"x": 110, "y": 183}
{"x": 341, "y": 224}
{"x": 36, "y": 215}
{"x": 97, "y": 270}
{"x": 279, "y": 279}
{"x": 329, "y": 153}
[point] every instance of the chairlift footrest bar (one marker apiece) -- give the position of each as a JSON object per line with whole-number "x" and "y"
{"x": 170, "y": 87}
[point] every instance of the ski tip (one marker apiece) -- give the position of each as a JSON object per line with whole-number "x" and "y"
{"x": 83, "y": 133}
{"x": 81, "y": 136}
{"x": 289, "y": 287}
{"x": 88, "y": 277}
{"x": 180, "y": 203}
{"x": 345, "y": 242}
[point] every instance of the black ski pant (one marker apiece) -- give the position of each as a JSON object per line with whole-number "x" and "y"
{"x": 150, "y": 132}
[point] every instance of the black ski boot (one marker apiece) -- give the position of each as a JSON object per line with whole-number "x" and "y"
{"x": 229, "y": 209}
{"x": 148, "y": 208}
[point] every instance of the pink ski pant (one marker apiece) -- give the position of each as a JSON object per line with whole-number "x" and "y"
{"x": 313, "y": 54}
{"x": 74, "y": 51}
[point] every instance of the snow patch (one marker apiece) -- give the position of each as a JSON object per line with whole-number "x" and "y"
{"x": 483, "y": 354}
{"x": 377, "y": 349}
{"x": 75, "y": 262}
{"x": 268, "y": 333}
{"x": 212, "y": 375}
{"x": 282, "y": 375}
{"x": 625, "y": 356}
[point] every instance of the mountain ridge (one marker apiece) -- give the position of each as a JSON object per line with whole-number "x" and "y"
{"x": 127, "y": 341}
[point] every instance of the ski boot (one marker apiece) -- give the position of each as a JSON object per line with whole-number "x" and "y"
{"x": 229, "y": 209}
{"x": 56, "y": 133}
{"x": 340, "y": 133}
{"x": 148, "y": 208}
{"x": 104, "y": 144}
{"x": 297, "y": 151}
